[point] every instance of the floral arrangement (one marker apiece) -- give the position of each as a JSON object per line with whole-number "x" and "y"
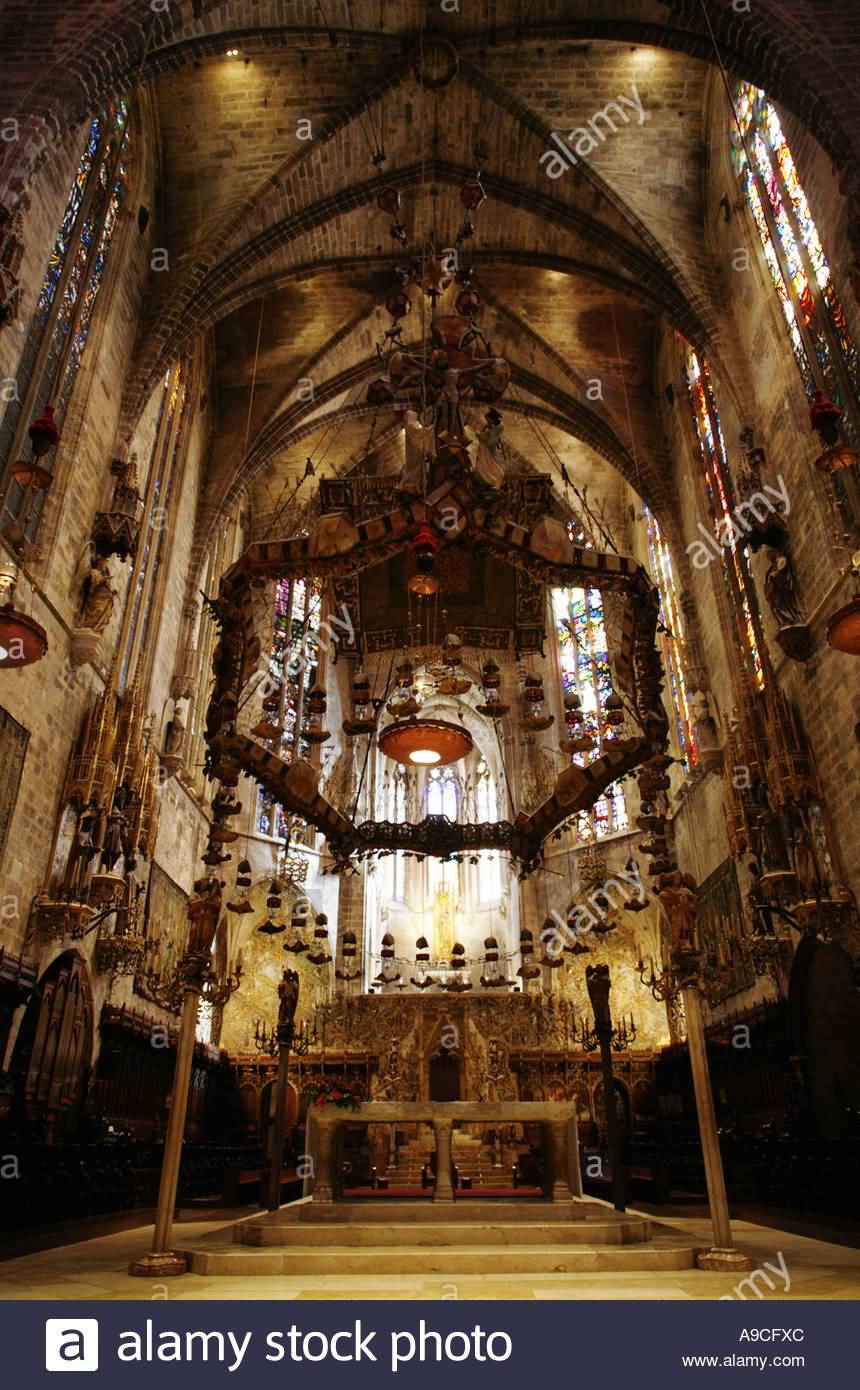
{"x": 335, "y": 1090}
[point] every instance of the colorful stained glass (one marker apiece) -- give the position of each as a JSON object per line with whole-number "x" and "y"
{"x": 670, "y": 617}
{"x": 715, "y": 461}
{"x": 67, "y": 297}
{"x": 584, "y": 656}
{"x": 795, "y": 257}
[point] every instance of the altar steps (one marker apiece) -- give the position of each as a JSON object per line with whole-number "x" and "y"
{"x": 421, "y": 1238}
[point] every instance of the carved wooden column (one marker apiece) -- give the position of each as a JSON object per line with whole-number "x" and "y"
{"x": 443, "y": 1191}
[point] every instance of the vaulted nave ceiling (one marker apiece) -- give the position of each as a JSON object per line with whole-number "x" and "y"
{"x": 279, "y": 253}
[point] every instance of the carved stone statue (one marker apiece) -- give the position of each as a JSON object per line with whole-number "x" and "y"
{"x": 89, "y": 838}
{"x": 97, "y": 596}
{"x": 175, "y": 728}
{"x": 288, "y": 994}
{"x": 780, "y": 591}
{"x": 116, "y": 839}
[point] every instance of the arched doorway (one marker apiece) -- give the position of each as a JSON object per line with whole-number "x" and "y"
{"x": 825, "y": 1024}
{"x": 53, "y": 1050}
{"x": 444, "y": 1076}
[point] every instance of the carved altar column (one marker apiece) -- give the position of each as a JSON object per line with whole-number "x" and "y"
{"x": 558, "y": 1185}
{"x": 443, "y": 1191}
{"x": 324, "y": 1184}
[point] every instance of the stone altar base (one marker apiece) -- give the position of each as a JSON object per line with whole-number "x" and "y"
{"x": 465, "y": 1237}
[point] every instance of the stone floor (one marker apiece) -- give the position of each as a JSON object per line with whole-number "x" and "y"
{"x": 96, "y": 1269}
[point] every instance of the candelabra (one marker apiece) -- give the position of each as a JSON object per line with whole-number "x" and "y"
{"x": 197, "y": 978}
{"x": 302, "y": 1039}
{"x": 621, "y": 1035}
{"x": 196, "y": 975}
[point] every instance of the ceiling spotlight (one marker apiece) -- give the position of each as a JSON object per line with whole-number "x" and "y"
{"x": 232, "y": 53}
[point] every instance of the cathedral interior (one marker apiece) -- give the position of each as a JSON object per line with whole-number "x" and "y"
{"x": 429, "y": 636}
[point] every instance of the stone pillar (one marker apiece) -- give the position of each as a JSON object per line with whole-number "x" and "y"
{"x": 558, "y": 1186}
{"x": 443, "y": 1191}
{"x": 324, "y": 1186}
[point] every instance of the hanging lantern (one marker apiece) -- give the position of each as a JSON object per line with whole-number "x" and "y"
{"x": 535, "y": 718}
{"x": 363, "y": 720}
{"x": 388, "y": 199}
{"x": 349, "y": 947}
{"x": 320, "y": 954}
{"x": 472, "y": 194}
{"x": 43, "y": 433}
{"x": 424, "y": 548}
{"x": 315, "y": 733}
{"x": 422, "y": 960}
{"x": 298, "y": 922}
{"x": 22, "y": 640}
{"x": 614, "y": 709}
{"x": 273, "y": 926}
{"x": 398, "y": 304}
{"x": 243, "y": 883}
{"x": 457, "y": 963}
{"x": 528, "y": 970}
{"x": 573, "y": 715}
{"x": 388, "y": 974}
{"x": 468, "y": 303}
{"x": 491, "y": 680}
{"x": 272, "y": 702}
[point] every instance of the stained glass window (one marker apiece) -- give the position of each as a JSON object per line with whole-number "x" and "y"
{"x": 824, "y": 349}
{"x": 672, "y": 639}
{"x": 63, "y": 315}
{"x": 581, "y": 632}
{"x": 712, "y": 447}
{"x": 293, "y": 660}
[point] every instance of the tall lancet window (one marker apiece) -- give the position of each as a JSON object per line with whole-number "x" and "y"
{"x": 486, "y": 805}
{"x": 712, "y": 449}
{"x": 581, "y": 631}
{"x": 63, "y": 315}
{"x": 824, "y": 350}
{"x": 442, "y": 792}
{"x": 663, "y": 573}
{"x": 293, "y": 660}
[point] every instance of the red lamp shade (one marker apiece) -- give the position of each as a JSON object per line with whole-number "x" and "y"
{"x": 843, "y": 630}
{"x": 22, "y": 640}
{"x": 425, "y": 742}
